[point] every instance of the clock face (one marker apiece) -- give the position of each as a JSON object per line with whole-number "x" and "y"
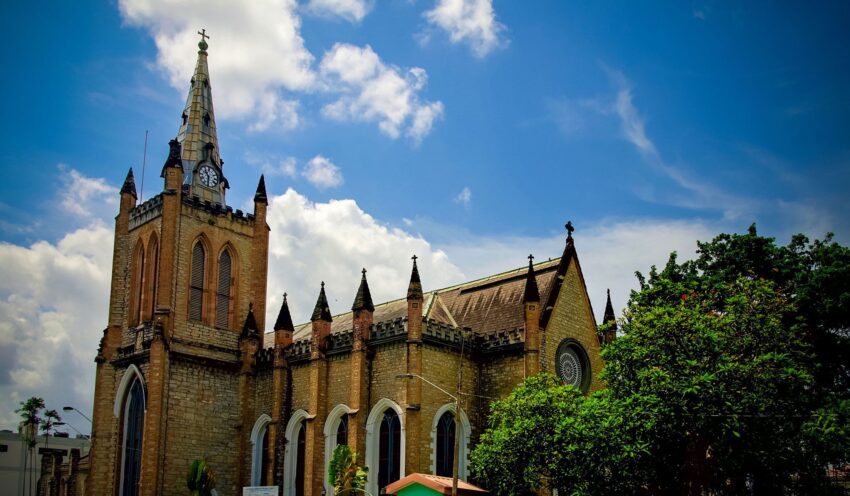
{"x": 209, "y": 177}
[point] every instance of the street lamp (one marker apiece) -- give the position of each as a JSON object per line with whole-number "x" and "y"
{"x": 69, "y": 408}
{"x": 456, "y": 464}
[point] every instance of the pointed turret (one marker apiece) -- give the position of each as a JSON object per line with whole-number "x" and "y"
{"x": 609, "y": 317}
{"x": 284, "y": 319}
{"x": 414, "y": 289}
{"x": 531, "y": 292}
{"x": 322, "y": 311}
{"x": 608, "y": 329}
{"x": 129, "y": 186}
{"x": 363, "y": 300}
{"x": 202, "y": 164}
{"x": 260, "y": 195}
{"x": 250, "y": 327}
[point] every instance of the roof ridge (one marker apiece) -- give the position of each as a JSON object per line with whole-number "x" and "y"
{"x": 536, "y": 266}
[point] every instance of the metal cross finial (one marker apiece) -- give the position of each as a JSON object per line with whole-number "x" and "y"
{"x": 323, "y": 284}
{"x": 570, "y": 228}
{"x": 204, "y": 35}
{"x": 530, "y": 258}
{"x": 363, "y": 271}
{"x": 284, "y": 296}
{"x": 414, "y": 257}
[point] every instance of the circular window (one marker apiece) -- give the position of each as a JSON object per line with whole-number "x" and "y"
{"x": 572, "y": 366}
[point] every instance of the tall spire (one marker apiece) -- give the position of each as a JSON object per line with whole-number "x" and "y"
{"x": 129, "y": 185}
{"x": 322, "y": 311}
{"x": 532, "y": 294}
{"x": 284, "y": 319}
{"x": 414, "y": 289}
{"x": 202, "y": 164}
{"x": 363, "y": 300}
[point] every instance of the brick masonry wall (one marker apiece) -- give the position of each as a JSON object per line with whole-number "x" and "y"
{"x": 202, "y": 422}
{"x": 572, "y": 318}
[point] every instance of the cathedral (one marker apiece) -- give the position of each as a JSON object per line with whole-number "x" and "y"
{"x": 187, "y": 368}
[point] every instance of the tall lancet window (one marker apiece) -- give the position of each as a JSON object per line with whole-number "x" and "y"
{"x": 301, "y": 459}
{"x": 134, "y": 424}
{"x": 137, "y": 285}
{"x": 445, "y": 445}
{"x": 222, "y": 300}
{"x": 342, "y": 431}
{"x": 196, "y": 284}
{"x": 389, "y": 453}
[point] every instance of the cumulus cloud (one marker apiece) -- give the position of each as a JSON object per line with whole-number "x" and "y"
{"x": 376, "y": 92}
{"x": 322, "y": 173}
{"x": 349, "y": 10}
{"x": 53, "y": 304}
{"x": 258, "y": 49}
{"x": 82, "y": 196}
{"x": 312, "y": 242}
{"x": 468, "y": 21}
{"x": 464, "y": 197}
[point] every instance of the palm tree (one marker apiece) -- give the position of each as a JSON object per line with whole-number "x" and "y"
{"x": 30, "y": 420}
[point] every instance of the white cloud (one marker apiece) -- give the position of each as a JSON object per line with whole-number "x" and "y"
{"x": 322, "y": 173}
{"x": 375, "y": 92}
{"x": 53, "y": 308}
{"x": 256, "y": 48}
{"x": 464, "y": 197}
{"x": 272, "y": 165}
{"x": 468, "y": 21}
{"x": 274, "y": 111}
{"x": 312, "y": 242}
{"x": 84, "y": 196}
{"x": 349, "y": 10}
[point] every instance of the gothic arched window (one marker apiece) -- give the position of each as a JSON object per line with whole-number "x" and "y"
{"x": 137, "y": 284}
{"x": 389, "y": 449}
{"x": 444, "y": 457}
{"x": 196, "y": 284}
{"x": 151, "y": 279}
{"x": 342, "y": 431}
{"x": 222, "y": 300}
{"x": 300, "y": 464}
{"x": 134, "y": 424}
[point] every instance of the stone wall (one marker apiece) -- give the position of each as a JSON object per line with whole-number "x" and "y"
{"x": 202, "y": 422}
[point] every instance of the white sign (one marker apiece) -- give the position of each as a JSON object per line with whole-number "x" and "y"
{"x": 259, "y": 491}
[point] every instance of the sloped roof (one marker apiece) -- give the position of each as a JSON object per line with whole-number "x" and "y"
{"x": 484, "y": 305}
{"x": 440, "y": 484}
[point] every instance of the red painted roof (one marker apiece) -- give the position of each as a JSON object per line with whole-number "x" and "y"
{"x": 440, "y": 484}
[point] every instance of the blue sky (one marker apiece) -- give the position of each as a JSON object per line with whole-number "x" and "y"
{"x": 648, "y": 125}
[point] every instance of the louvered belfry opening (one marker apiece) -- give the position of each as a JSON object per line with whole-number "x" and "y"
{"x": 196, "y": 285}
{"x": 222, "y": 304}
{"x": 138, "y": 291}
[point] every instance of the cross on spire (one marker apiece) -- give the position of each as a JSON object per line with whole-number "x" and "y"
{"x": 570, "y": 229}
{"x": 530, "y": 258}
{"x": 204, "y": 35}
{"x": 414, "y": 257}
{"x": 363, "y": 271}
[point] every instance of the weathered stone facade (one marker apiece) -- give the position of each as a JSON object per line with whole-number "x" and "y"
{"x": 237, "y": 396}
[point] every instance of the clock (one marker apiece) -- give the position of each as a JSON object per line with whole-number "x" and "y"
{"x": 209, "y": 176}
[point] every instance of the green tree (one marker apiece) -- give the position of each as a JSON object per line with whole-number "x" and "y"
{"x": 344, "y": 473}
{"x": 728, "y": 379}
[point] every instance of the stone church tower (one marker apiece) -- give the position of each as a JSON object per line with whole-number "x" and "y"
{"x": 186, "y": 370}
{"x": 186, "y": 271}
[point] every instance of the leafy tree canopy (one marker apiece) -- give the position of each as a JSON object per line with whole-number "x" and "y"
{"x": 722, "y": 383}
